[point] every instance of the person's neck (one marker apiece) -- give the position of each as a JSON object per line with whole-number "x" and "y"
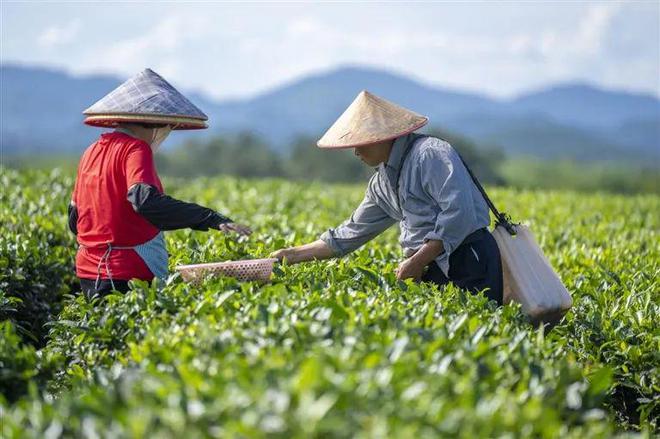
{"x": 142, "y": 134}
{"x": 389, "y": 147}
{"x": 389, "y": 151}
{"x": 126, "y": 131}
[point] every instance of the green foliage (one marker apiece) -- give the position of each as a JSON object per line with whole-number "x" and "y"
{"x": 246, "y": 155}
{"x": 21, "y": 365}
{"x": 623, "y": 178}
{"x": 36, "y": 249}
{"x": 340, "y": 348}
{"x": 18, "y": 362}
{"x": 307, "y": 162}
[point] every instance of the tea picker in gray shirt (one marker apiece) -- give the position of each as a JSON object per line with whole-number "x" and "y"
{"x": 422, "y": 184}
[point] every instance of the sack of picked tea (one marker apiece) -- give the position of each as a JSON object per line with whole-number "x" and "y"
{"x": 529, "y": 279}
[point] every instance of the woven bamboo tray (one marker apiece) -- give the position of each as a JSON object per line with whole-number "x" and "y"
{"x": 246, "y": 270}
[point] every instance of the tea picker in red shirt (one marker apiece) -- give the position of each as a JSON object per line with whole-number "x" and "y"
{"x": 119, "y": 209}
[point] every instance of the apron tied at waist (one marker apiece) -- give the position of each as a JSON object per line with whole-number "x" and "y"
{"x": 104, "y": 261}
{"x": 152, "y": 252}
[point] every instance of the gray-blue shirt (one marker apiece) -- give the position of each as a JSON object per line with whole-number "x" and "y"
{"x": 438, "y": 200}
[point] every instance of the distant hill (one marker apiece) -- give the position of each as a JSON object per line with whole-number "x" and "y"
{"x": 41, "y": 113}
{"x": 310, "y": 105}
{"x": 41, "y": 109}
{"x": 588, "y": 107}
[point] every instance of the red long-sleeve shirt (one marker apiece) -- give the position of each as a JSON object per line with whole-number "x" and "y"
{"x": 107, "y": 169}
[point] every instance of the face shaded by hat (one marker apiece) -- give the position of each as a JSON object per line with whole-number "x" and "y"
{"x": 146, "y": 98}
{"x": 370, "y": 120}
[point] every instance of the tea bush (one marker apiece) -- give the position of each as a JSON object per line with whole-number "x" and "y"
{"x": 36, "y": 250}
{"x": 339, "y": 348}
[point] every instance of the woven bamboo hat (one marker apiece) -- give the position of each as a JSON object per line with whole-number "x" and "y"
{"x": 146, "y": 98}
{"x": 370, "y": 119}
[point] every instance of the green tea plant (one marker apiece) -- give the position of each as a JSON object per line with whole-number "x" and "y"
{"x": 36, "y": 250}
{"x": 340, "y": 348}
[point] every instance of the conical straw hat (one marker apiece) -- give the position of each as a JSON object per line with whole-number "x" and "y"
{"x": 146, "y": 98}
{"x": 370, "y": 119}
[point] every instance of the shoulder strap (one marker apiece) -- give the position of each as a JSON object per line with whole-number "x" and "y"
{"x": 502, "y": 218}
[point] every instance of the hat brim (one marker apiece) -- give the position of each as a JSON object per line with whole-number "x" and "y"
{"x": 177, "y": 122}
{"x": 373, "y": 142}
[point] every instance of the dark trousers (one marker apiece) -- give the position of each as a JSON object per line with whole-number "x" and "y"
{"x": 90, "y": 289}
{"x": 474, "y": 266}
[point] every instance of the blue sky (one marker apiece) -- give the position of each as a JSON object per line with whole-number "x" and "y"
{"x": 237, "y": 50}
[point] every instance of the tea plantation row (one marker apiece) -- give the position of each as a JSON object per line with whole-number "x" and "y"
{"x": 327, "y": 349}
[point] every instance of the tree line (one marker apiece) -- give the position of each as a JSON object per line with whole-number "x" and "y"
{"x": 247, "y": 155}
{"x": 250, "y": 156}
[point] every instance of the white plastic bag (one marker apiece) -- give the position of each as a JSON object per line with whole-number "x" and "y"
{"x": 529, "y": 278}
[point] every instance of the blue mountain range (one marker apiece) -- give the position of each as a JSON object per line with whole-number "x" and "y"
{"x": 41, "y": 114}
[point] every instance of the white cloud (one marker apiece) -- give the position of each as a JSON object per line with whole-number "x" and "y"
{"x": 163, "y": 39}
{"x": 499, "y": 63}
{"x": 59, "y": 35}
{"x": 239, "y": 50}
{"x": 304, "y": 25}
{"x": 161, "y": 47}
{"x": 595, "y": 25}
